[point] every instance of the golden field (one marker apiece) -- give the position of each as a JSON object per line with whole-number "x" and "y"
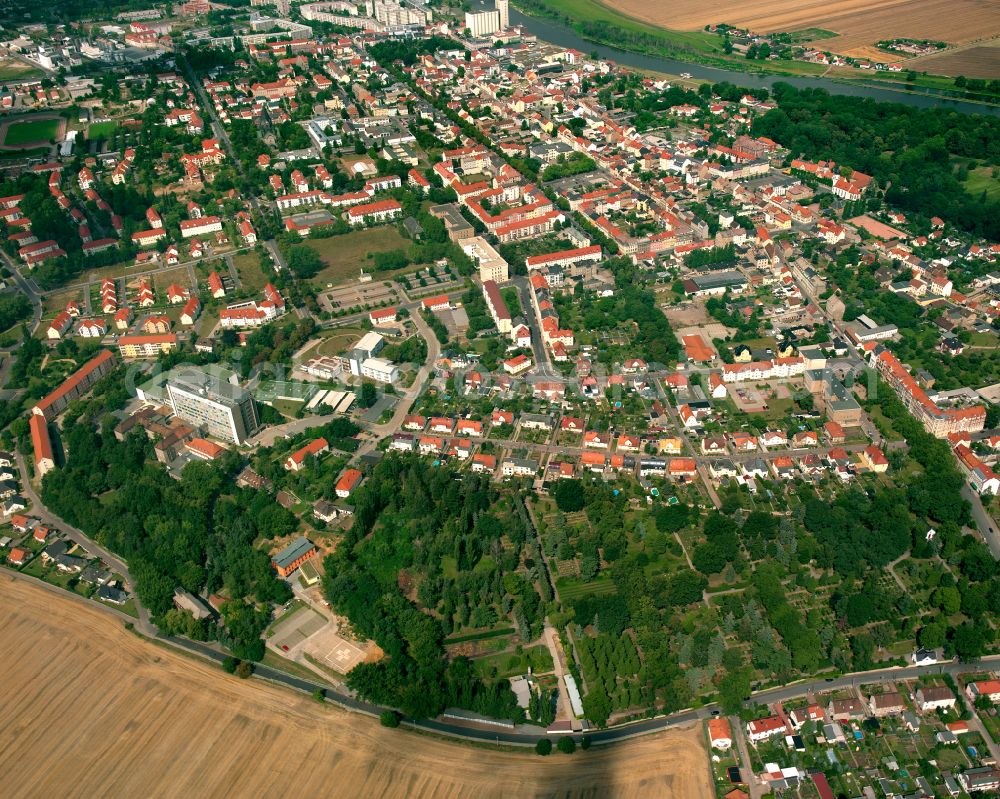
{"x": 858, "y": 23}
{"x": 90, "y": 709}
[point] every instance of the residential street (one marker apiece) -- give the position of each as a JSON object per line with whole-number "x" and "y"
{"x": 39, "y": 511}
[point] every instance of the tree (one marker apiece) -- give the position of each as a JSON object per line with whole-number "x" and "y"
{"x": 685, "y": 588}
{"x": 671, "y": 518}
{"x": 304, "y": 261}
{"x": 229, "y": 664}
{"x": 932, "y": 636}
{"x": 969, "y": 641}
{"x": 389, "y": 718}
{"x": 709, "y": 558}
{"x": 367, "y": 395}
{"x": 734, "y": 687}
{"x": 566, "y": 745}
{"x": 948, "y": 599}
{"x": 543, "y": 746}
{"x": 585, "y": 742}
{"x": 244, "y": 670}
{"x": 569, "y": 495}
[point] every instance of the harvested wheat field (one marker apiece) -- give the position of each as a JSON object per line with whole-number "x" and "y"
{"x": 90, "y": 709}
{"x": 973, "y": 62}
{"x": 859, "y": 23}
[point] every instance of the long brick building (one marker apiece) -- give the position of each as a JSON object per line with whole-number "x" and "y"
{"x": 76, "y": 385}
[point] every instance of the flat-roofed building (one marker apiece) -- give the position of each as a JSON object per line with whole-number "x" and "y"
{"x": 833, "y": 397}
{"x": 221, "y": 409}
{"x": 713, "y": 283}
{"x": 459, "y": 228}
{"x": 380, "y": 370}
{"x": 491, "y": 264}
{"x": 368, "y": 346}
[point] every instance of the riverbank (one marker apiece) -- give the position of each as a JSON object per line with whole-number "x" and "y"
{"x": 90, "y": 708}
{"x": 590, "y": 26}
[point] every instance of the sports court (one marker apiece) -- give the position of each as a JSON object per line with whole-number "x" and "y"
{"x": 294, "y": 630}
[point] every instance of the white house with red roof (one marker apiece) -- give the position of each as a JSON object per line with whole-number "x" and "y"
{"x": 297, "y": 460}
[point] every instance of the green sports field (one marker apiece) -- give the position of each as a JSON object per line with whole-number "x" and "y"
{"x": 31, "y": 131}
{"x": 101, "y": 130}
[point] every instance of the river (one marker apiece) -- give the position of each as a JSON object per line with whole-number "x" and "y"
{"x": 564, "y": 36}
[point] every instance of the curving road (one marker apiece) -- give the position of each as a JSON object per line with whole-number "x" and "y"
{"x": 39, "y": 511}
{"x": 523, "y": 735}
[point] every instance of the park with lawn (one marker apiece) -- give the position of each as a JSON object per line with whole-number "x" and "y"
{"x": 346, "y": 255}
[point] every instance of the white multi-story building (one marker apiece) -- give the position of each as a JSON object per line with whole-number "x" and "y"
{"x": 380, "y": 370}
{"x": 482, "y": 23}
{"x": 491, "y": 264}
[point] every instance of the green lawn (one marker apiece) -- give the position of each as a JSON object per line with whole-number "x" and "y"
{"x": 287, "y": 407}
{"x": 31, "y": 131}
{"x": 275, "y": 661}
{"x": 345, "y": 256}
{"x": 811, "y": 35}
{"x": 880, "y": 420}
{"x": 17, "y": 70}
{"x": 101, "y": 130}
{"x": 252, "y": 276}
{"x": 981, "y": 179}
{"x": 983, "y": 340}
{"x": 574, "y": 589}
{"x": 480, "y": 636}
{"x": 510, "y": 664}
{"x": 333, "y": 342}
{"x": 593, "y": 11}
{"x": 645, "y": 38}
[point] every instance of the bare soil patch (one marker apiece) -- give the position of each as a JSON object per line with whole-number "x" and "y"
{"x": 90, "y": 709}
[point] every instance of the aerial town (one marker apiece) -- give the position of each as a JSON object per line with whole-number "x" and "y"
{"x": 391, "y": 353}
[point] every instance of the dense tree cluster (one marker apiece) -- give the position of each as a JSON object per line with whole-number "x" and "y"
{"x": 609, "y": 664}
{"x": 14, "y": 308}
{"x": 911, "y": 150}
{"x": 428, "y": 555}
{"x": 198, "y": 532}
{"x": 409, "y": 50}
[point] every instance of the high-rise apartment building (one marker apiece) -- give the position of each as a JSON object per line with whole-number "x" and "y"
{"x": 221, "y": 409}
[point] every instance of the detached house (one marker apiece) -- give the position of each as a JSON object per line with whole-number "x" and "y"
{"x": 348, "y": 481}
{"x": 297, "y": 460}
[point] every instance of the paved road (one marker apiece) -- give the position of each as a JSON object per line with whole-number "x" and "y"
{"x": 746, "y": 764}
{"x": 29, "y": 288}
{"x": 987, "y": 526}
{"x": 543, "y": 366}
{"x": 220, "y": 132}
{"x": 267, "y": 436}
{"x": 405, "y": 403}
